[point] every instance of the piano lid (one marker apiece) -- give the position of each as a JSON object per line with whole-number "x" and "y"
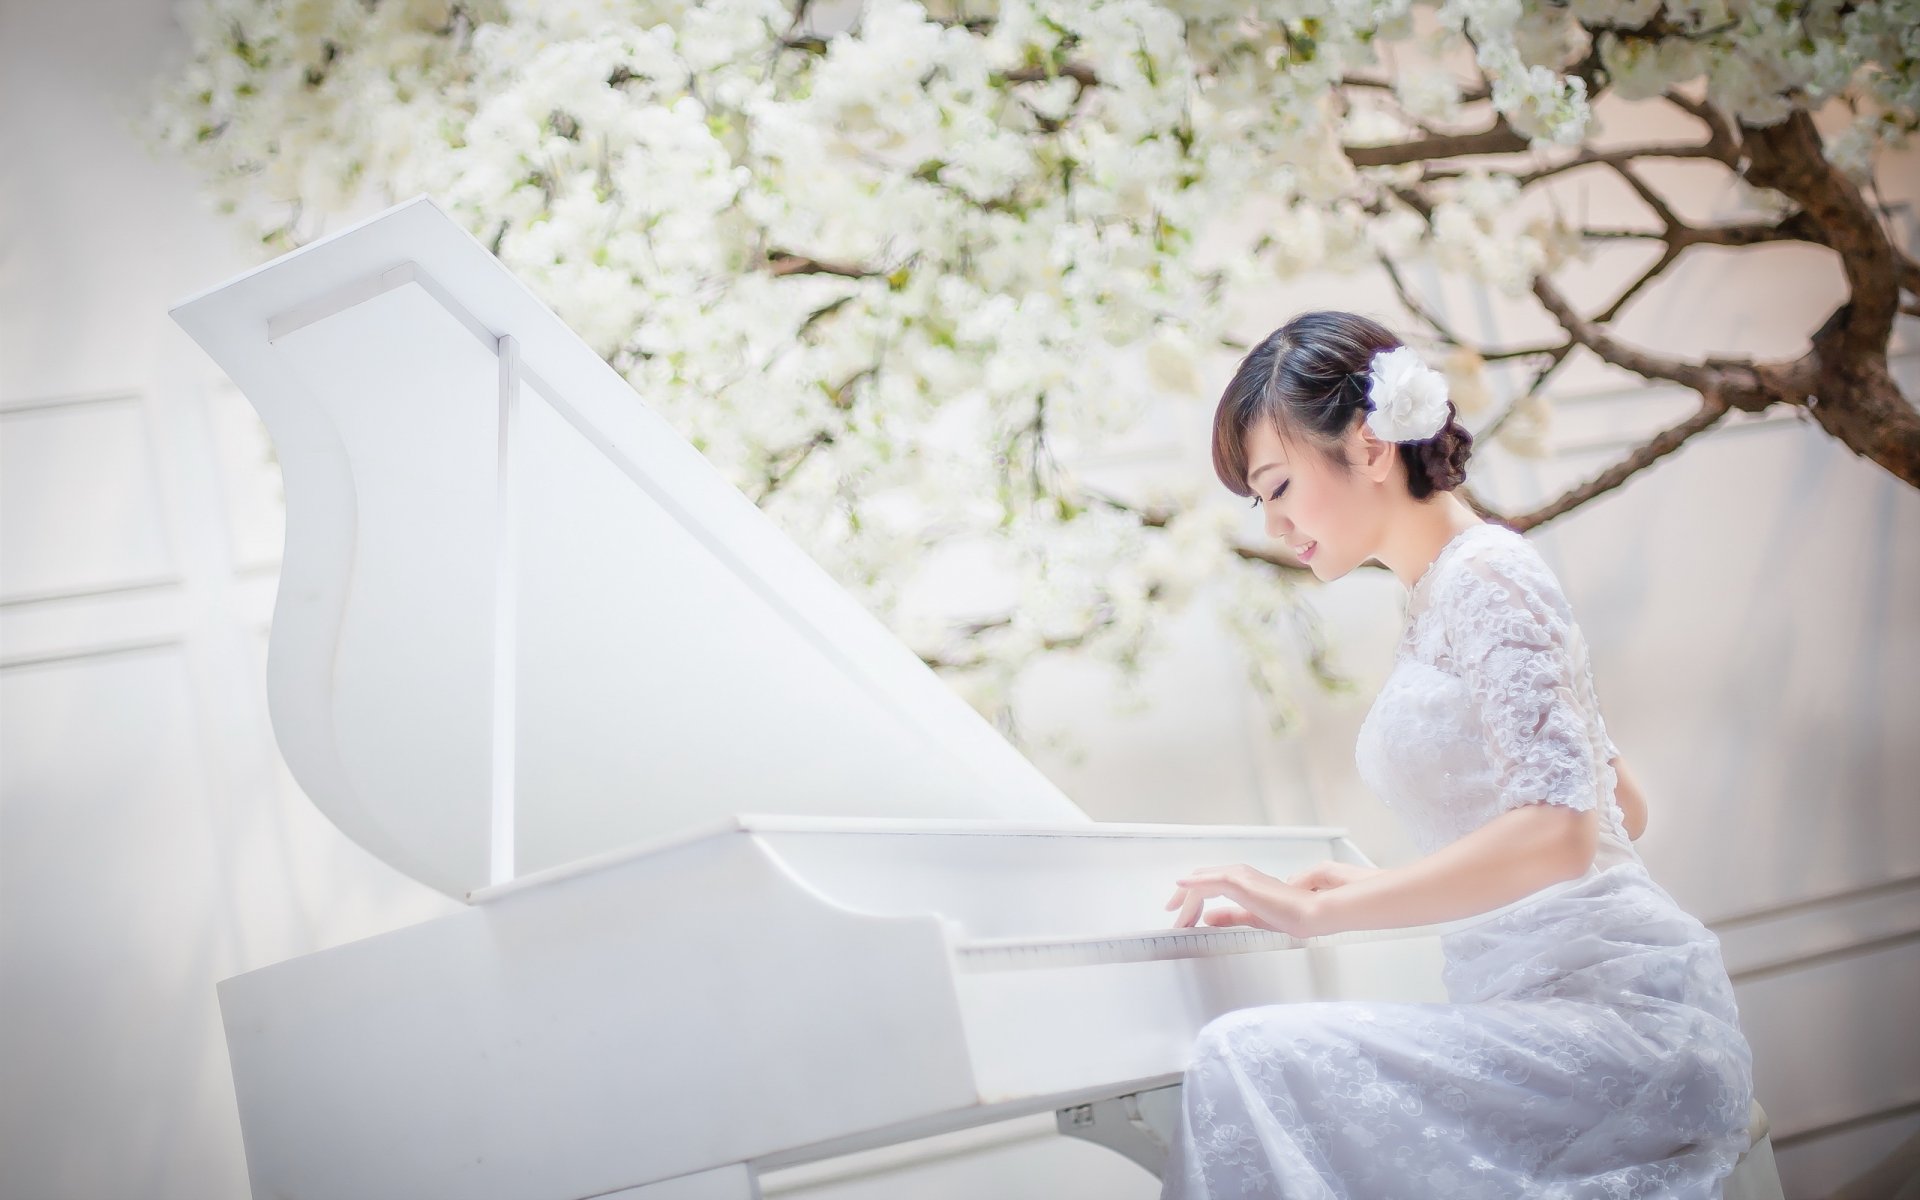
{"x": 656, "y": 653}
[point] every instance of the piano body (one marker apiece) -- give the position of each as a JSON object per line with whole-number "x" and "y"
{"x": 746, "y": 884}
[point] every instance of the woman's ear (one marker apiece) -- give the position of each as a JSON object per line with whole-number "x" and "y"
{"x": 1373, "y": 454}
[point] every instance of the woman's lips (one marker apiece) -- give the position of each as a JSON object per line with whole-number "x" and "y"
{"x": 1306, "y": 552}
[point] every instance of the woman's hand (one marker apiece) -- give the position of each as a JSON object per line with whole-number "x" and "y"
{"x": 1321, "y": 876}
{"x": 1632, "y": 801}
{"x": 1263, "y": 901}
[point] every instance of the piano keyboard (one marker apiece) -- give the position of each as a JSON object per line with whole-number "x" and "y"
{"x": 1152, "y": 945}
{"x": 1014, "y": 954}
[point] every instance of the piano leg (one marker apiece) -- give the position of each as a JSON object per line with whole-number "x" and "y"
{"x": 736, "y": 1182}
{"x": 1139, "y": 1125}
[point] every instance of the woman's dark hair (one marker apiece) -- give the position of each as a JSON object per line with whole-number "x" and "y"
{"x": 1309, "y": 378}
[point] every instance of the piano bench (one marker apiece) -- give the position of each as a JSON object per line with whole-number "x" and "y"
{"x": 1755, "y": 1177}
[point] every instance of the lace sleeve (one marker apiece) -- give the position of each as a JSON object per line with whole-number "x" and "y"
{"x": 1508, "y": 630}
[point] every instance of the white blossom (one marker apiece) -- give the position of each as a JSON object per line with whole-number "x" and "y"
{"x": 897, "y": 283}
{"x": 1466, "y": 374}
{"x": 1428, "y": 91}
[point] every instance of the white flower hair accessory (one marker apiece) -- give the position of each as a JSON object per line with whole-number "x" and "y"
{"x": 1408, "y": 398}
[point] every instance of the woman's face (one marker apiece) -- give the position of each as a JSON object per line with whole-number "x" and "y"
{"x": 1310, "y": 502}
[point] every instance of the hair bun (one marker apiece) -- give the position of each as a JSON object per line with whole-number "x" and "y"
{"x": 1438, "y": 463}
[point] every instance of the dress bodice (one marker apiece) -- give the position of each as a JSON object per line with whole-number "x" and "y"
{"x": 1490, "y": 703}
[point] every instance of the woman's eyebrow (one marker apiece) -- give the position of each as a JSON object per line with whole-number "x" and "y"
{"x": 1259, "y": 470}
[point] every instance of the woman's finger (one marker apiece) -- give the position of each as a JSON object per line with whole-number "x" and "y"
{"x": 1193, "y": 890}
{"x": 1232, "y": 916}
{"x": 1181, "y": 893}
{"x": 1208, "y": 872}
{"x": 1203, "y": 879}
{"x": 1206, "y": 885}
{"x": 1179, "y": 896}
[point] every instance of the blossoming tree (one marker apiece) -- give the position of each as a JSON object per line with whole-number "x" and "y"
{"x": 894, "y": 267}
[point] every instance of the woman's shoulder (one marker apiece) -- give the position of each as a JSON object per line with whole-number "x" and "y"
{"x": 1488, "y": 553}
{"x": 1499, "y": 570}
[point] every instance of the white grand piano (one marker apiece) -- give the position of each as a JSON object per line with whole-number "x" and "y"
{"x": 747, "y": 886}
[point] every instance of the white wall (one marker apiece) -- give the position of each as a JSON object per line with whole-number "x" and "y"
{"x": 1753, "y": 604}
{"x": 150, "y": 841}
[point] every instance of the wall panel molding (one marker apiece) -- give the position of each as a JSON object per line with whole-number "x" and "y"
{"x": 83, "y": 508}
{"x": 1817, "y": 930}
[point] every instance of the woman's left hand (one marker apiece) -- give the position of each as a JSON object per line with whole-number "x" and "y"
{"x": 1264, "y": 902}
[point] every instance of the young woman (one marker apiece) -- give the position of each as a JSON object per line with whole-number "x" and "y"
{"x": 1591, "y": 1046}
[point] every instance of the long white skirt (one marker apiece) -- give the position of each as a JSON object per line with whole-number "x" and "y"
{"x": 1590, "y": 1048}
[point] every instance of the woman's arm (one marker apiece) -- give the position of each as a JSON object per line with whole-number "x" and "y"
{"x": 1632, "y": 801}
{"x": 1514, "y": 855}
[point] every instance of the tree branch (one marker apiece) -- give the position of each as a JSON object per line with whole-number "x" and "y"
{"x": 1498, "y": 138}
{"x": 1415, "y": 307}
{"x": 1613, "y": 350}
{"x": 783, "y": 263}
{"x": 1788, "y": 158}
{"x": 1467, "y": 96}
{"x": 975, "y": 629}
{"x": 777, "y": 473}
{"x": 1723, "y": 142}
{"x": 1659, "y": 446}
{"x": 1080, "y": 73}
{"x": 1795, "y": 228}
{"x": 1558, "y": 355}
{"x": 1648, "y": 196}
{"x": 1668, "y": 254}
{"x": 1587, "y": 158}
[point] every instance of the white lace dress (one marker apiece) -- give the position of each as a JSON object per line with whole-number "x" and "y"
{"x": 1591, "y": 1046}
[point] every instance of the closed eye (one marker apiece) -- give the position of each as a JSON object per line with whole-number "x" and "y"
{"x": 1276, "y": 494}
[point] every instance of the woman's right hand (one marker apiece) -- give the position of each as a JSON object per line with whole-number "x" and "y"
{"x": 1321, "y": 876}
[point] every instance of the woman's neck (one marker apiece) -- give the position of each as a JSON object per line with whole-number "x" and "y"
{"x": 1416, "y": 539}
